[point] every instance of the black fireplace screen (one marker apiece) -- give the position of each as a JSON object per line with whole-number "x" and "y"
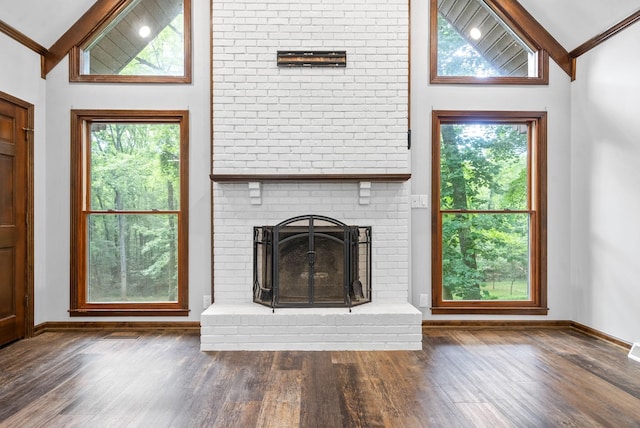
{"x": 311, "y": 261}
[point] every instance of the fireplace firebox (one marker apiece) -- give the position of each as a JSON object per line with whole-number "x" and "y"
{"x": 311, "y": 261}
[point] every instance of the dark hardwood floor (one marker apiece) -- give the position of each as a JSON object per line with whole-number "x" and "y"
{"x": 461, "y": 378}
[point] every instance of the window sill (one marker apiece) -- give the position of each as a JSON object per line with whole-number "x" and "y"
{"x": 470, "y": 80}
{"x": 489, "y": 310}
{"x": 100, "y": 78}
{"x": 115, "y": 312}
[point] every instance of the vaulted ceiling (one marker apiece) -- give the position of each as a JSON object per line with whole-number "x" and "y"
{"x": 570, "y": 22}
{"x": 43, "y": 21}
{"x": 573, "y": 22}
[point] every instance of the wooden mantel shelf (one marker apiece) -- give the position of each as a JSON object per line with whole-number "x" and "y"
{"x": 245, "y": 178}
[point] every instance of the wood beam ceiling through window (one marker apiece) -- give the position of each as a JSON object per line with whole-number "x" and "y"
{"x": 517, "y": 16}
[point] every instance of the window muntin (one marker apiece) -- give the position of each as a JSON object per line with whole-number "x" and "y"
{"x": 470, "y": 43}
{"x": 488, "y": 226}
{"x": 129, "y": 222}
{"x": 146, "y": 41}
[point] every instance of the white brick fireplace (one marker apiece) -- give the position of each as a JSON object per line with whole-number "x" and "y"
{"x": 292, "y": 141}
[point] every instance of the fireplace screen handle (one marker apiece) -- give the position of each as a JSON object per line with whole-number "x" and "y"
{"x": 312, "y": 257}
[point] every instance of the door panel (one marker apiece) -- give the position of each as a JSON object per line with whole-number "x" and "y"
{"x": 6, "y": 189}
{"x": 6, "y": 128}
{"x": 7, "y": 272}
{"x": 13, "y": 221}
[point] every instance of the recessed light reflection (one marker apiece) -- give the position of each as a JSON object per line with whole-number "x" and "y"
{"x": 144, "y": 31}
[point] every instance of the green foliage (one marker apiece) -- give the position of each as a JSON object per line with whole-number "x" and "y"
{"x": 507, "y": 290}
{"x": 484, "y": 162}
{"x": 133, "y": 168}
{"x": 457, "y": 57}
{"x": 483, "y": 167}
{"x": 163, "y": 56}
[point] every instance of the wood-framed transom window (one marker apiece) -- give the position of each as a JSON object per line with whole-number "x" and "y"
{"x": 142, "y": 41}
{"x": 470, "y": 42}
{"x": 489, "y": 212}
{"x": 129, "y": 212}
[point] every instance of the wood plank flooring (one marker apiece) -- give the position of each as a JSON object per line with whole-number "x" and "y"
{"x": 461, "y": 378}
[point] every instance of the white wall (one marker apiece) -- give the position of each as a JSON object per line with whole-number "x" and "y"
{"x": 605, "y": 181}
{"x": 20, "y": 77}
{"x": 554, "y": 98}
{"x": 62, "y": 96}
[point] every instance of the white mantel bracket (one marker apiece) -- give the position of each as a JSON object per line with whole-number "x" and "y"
{"x": 255, "y": 192}
{"x": 365, "y": 192}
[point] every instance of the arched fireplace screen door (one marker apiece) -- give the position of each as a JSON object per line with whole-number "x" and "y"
{"x": 311, "y": 261}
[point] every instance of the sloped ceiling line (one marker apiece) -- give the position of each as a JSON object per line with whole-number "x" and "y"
{"x": 605, "y": 35}
{"x": 90, "y": 21}
{"x": 22, "y": 38}
{"x": 27, "y": 42}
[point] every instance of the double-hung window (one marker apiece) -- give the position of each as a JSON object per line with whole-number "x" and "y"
{"x": 489, "y": 212}
{"x": 129, "y": 219}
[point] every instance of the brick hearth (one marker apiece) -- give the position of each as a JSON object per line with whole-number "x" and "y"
{"x": 253, "y": 327}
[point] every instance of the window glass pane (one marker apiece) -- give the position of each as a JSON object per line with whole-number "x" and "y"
{"x": 132, "y": 258}
{"x": 473, "y": 41}
{"x": 483, "y": 167}
{"x": 135, "y": 166}
{"x": 485, "y": 257}
{"x": 147, "y": 39}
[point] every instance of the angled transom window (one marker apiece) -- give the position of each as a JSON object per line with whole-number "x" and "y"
{"x": 145, "y": 40}
{"x": 489, "y": 215}
{"x": 129, "y": 212}
{"x": 470, "y": 43}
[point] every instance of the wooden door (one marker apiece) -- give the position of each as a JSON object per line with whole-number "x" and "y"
{"x": 14, "y": 141}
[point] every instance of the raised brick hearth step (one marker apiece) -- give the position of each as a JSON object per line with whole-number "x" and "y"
{"x": 374, "y": 326}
